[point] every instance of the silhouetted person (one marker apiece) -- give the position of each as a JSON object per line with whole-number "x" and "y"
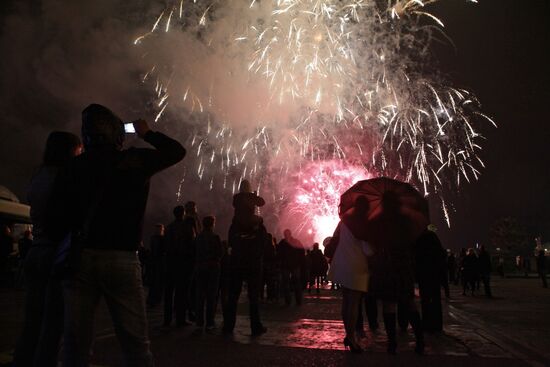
{"x": 245, "y": 265}
{"x": 430, "y": 260}
{"x": 392, "y": 276}
{"x": 470, "y": 271}
{"x": 191, "y": 214}
{"x": 451, "y": 268}
{"x": 290, "y": 252}
{"x": 102, "y": 200}
{"x": 209, "y": 255}
{"x": 319, "y": 267}
{"x": 350, "y": 269}
{"x": 484, "y": 268}
{"x": 500, "y": 266}
{"x": 43, "y": 326}
{"x": 526, "y": 266}
{"x": 542, "y": 267}
{"x": 269, "y": 277}
{"x": 180, "y": 265}
{"x": 157, "y": 264}
{"x": 460, "y": 274}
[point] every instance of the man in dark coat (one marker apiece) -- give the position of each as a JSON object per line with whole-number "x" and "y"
{"x": 451, "y": 268}
{"x": 245, "y": 265}
{"x": 470, "y": 271}
{"x": 541, "y": 267}
{"x": 291, "y": 258}
{"x": 101, "y": 199}
{"x": 430, "y": 260}
{"x": 319, "y": 267}
{"x": 180, "y": 265}
{"x": 484, "y": 267}
{"x": 209, "y": 255}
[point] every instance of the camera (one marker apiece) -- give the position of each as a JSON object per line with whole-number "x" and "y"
{"x": 129, "y": 128}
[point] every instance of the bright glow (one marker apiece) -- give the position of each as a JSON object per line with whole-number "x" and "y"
{"x": 314, "y": 202}
{"x": 358, "y": 80}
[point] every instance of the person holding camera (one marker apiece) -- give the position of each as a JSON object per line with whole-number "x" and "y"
{"x": 100, "y": 201}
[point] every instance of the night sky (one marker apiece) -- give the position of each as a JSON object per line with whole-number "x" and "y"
{"x": 52, "y": 67}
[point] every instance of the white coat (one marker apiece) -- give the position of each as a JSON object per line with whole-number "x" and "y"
{"x": 349, "y": 264}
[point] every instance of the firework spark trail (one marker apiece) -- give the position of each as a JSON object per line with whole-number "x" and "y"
{"x": 316, "y": 196}
{"x": 356, "y": 73}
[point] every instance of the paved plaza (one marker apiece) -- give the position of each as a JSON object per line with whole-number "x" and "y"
{"x": 510, "y": 330}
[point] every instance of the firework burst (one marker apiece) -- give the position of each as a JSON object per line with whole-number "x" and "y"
{"x": 355, "y": 78}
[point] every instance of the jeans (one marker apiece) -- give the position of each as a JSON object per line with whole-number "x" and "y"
{"x": 208, "y": 282}
{"x": 116, "y": 276}
{"x": 39, "y": 341}
{"x": 291, "y": 278}
{"x": 237, "y": 277}
{"x": 179, "y": 275}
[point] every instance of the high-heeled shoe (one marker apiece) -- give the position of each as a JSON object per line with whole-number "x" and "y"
{"x": 352, "y": 346}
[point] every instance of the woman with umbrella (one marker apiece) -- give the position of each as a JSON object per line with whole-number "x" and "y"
{"x": 397, "y": 215}
{"x": 348, "y": 267}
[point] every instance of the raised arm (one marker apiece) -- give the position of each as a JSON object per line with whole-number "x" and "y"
{"x": 167, "y": 151}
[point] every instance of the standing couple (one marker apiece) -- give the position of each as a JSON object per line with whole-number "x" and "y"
{"x": 371, "y": 251}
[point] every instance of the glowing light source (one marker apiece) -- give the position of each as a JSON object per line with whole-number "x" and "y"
{"x": 361, "y": 76}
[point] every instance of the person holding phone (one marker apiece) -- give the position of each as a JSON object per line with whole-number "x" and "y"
{"x": 101, "y": 199}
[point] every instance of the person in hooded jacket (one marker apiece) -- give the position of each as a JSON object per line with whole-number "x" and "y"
{"x": 100, "y": 200}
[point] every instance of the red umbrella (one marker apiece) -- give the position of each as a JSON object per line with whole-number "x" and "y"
{"x": 396, "y": 212}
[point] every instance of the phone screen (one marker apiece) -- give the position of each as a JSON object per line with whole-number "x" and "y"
{"x": 129, "y": 128}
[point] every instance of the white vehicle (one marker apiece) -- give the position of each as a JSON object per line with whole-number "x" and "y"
{"x": 11, "y": 210}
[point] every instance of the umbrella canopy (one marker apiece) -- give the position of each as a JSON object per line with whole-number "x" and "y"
{"x": 393, "y": 212}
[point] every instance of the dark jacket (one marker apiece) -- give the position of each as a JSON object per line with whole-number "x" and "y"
{"x": 247, "y": 251}
{"x": 290, "y": 257}
{"x": 179, "y": 237}
{"x": 114, "y": 186}
{"x": 430, "y": 259}
{"x": 319, "y": 265}
{"x": 484, "y": 263}
{"x": 470, "y": 269}
{"x": 245, "y": 204}
{"x": 157, "y": 245}
{"x": 209, "y": 250}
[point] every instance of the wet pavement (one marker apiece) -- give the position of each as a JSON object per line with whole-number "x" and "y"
{"x": 513, "y": 329}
